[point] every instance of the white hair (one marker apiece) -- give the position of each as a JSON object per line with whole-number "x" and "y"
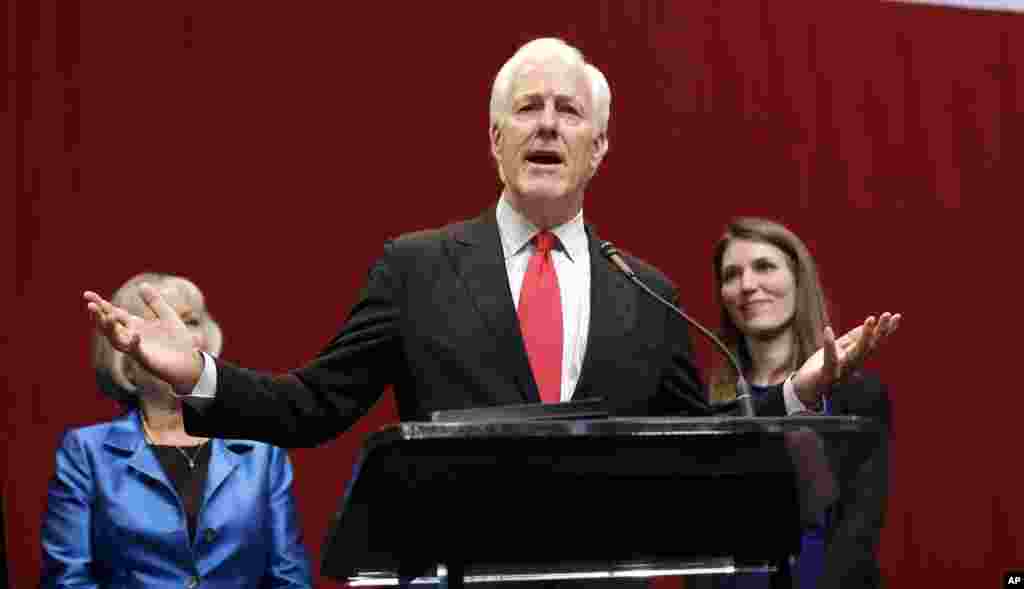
{"x": 600, "y": 92}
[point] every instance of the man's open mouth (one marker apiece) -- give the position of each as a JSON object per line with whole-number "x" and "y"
{"x": 545, "y": 158}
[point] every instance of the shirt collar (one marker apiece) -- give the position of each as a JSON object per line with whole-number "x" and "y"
{"x": 516, "y": 231}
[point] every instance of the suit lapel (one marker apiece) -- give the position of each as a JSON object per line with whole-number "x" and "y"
{"x": 479, "y": 261}
{"x": 612, "y": 317}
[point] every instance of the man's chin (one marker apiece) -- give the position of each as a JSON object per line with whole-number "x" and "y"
{"x": 539, "y": 191}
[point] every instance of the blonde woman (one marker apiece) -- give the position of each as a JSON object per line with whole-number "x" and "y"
{"x": 137, "y": 501}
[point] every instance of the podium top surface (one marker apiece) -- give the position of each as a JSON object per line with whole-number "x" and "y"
{"x": 620, "y": 427}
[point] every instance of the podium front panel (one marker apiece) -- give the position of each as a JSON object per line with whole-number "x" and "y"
{"x": 574, "y": 494}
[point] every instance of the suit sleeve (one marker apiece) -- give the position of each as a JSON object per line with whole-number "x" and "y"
{"x": 66, "y": 534}
{"x": 314, "y": 404}
{"x": 288, "y": 565}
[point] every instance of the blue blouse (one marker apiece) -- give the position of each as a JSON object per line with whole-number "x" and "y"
{"x": 115, "y": 520}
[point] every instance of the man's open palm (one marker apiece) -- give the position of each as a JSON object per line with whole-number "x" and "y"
{"x": 162, "y": 344}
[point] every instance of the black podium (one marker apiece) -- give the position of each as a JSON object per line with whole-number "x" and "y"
{"x": 580, "y": 498}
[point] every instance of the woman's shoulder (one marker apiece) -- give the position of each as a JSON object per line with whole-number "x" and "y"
{"x": 97, "y": 432}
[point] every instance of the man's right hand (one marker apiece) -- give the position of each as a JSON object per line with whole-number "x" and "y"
{"x": 162, "y": 344}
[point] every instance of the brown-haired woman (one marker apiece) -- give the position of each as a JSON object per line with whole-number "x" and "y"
{"x": 774, "y": 317}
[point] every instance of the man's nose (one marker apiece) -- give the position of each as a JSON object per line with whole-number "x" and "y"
{"x": 548, "y": 118}
{"x": 199, "y": 339}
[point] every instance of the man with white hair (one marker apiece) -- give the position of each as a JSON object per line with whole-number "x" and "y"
{"x": 515, "y": 306}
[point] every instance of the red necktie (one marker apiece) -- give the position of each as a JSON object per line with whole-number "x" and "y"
{"x": 540, "y": 319}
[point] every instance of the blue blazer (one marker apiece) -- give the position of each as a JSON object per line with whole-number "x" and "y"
{"x": 114, "y": 519}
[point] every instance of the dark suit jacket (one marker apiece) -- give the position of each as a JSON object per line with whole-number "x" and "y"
{"x": 437, "y": 320}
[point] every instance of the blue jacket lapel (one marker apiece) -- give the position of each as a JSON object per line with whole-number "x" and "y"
{"x": 224, "y": 460}
{"x": 127, "y": 439}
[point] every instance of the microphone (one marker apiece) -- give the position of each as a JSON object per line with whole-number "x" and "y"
{"x": 743, "y": 397}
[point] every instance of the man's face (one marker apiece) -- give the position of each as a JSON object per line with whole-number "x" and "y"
{"x": 547, "y": 145}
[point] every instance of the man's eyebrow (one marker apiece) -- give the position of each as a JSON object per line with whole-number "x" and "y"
{"x": 574, "y": 100}
{"x": 559, "y": 98}
{"x": 526, "y": 96}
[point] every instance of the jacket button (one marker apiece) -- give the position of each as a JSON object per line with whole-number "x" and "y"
{"x": 192, "y": 583}
{"x": 210, "y": 534}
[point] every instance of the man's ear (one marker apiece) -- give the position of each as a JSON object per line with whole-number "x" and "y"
{"x": 600, "y": 149}
{"x": 495, "y": 135}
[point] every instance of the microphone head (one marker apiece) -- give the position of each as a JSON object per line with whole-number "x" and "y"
{"x": 613, "y": 255}
{"x": 608, "y": 249}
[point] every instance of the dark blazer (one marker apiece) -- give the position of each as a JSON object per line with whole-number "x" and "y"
{"x": 861, "y": 468}
{"x": 863, "y": 475}
{"x": 437, "y": 320}
{"x": 114, "y": 519}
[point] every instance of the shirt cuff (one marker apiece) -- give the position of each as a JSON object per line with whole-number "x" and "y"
{"x": 793, "y": 403}
{"x": 205, "y": 390}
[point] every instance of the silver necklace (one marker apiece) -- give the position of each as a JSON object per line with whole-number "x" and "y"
{"x": 191, "y": 460}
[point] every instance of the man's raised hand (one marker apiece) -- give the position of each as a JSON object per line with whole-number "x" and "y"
{"x": 160, "y": 342}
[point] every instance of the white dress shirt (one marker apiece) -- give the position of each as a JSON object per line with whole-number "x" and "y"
{"x": 572, "y": 266}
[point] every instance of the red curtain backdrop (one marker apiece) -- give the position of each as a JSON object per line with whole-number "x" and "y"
{"x": 266, "y": 150}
